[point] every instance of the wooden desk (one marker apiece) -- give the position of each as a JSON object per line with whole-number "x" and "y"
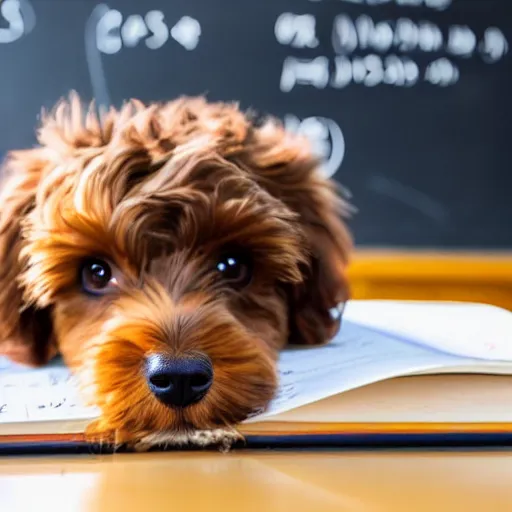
{"x": 260, "y": 481}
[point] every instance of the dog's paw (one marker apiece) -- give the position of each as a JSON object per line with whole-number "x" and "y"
{"x": 223, "y": 439}
{"x": 101, "y": 434}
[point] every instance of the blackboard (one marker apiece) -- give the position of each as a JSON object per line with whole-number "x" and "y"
{"x": 409, "y": 102}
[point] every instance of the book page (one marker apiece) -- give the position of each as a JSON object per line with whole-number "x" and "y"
{"x": 359, "y": 355}
{"x": 46, "y": 394}
{"x": 464, "y": 329}
{"x": 356, "y": 357}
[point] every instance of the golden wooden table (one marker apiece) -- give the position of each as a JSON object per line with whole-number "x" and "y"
{"x": 260, "y": 481}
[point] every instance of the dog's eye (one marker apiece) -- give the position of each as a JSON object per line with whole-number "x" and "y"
{"x": 235, "y": 269}
{"x": 96, "y": 276}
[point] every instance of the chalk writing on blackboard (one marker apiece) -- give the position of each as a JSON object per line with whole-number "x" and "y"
{"x": 20, "y": 18}
{"x": 385, "y": 43}
{"x": 494, "y": 45}
{"x": 432, "y": 4}
{"x": 313, "y": 72}
{"x": 115, "y": 32}
{"x": 108, "y": 31}
{"x": 186, "y": 32}
{"x": 297, "y": 30}
{"x": 326, "y": 137}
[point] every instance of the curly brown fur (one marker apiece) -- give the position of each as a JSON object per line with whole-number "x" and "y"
{"x": 160, "y": 192}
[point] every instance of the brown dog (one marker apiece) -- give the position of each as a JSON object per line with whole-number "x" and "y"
{"x": 168, "y": 252}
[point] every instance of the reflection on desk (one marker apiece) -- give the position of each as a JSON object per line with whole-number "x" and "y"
{"x": 258, "y": 481}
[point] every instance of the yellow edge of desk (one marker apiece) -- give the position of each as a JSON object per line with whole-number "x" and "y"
{"x": 432, "y": 275}
{"x": 296, "y": 428}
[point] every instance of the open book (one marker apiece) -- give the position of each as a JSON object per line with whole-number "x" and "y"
{"x": 395, "y": 367}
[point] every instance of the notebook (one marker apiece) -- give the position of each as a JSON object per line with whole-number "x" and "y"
{"x": 398, "y": 371}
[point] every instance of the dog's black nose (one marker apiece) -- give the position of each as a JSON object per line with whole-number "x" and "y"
{"x": 179, "y": 381}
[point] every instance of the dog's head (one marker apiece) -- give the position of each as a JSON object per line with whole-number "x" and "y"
{"x": 168, "y": 252}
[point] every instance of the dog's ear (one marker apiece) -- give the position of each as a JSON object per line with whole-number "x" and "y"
{"x": 285, "y": 165}
{"x": 316, "y": 304}
{"x": 25, "y": 330}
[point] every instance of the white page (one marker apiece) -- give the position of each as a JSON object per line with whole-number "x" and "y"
{"x": 41, "y": 394}
{"x": 356, "y": 357}
{"x": 466, "y": 329}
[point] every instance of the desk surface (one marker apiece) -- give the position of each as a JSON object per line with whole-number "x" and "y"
{"x": 259, "y": 481}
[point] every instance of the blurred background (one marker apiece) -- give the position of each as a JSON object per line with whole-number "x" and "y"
{"x": 407, "y": 102}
